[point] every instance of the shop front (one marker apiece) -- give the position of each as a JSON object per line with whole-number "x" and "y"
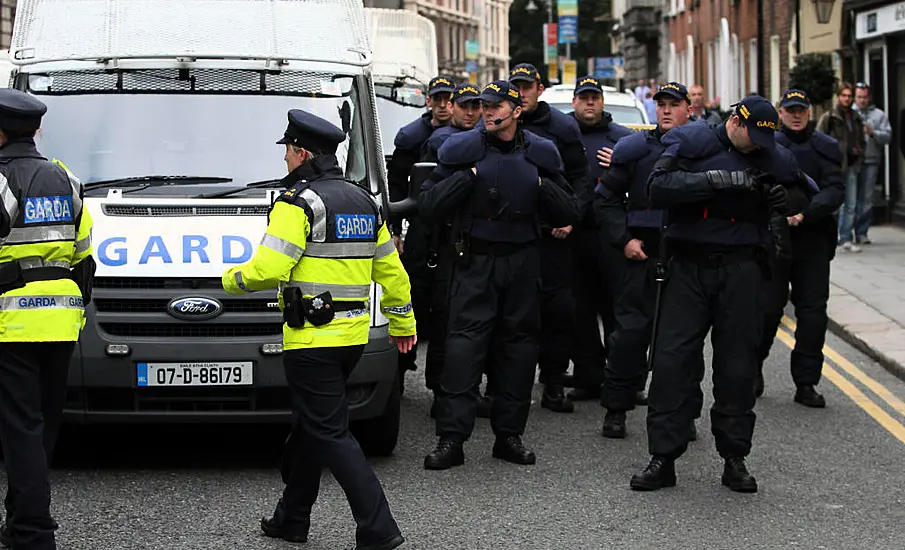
{"x": 876, "y": 35}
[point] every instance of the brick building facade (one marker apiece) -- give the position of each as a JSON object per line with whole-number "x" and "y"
{"x": 714, "y": 43}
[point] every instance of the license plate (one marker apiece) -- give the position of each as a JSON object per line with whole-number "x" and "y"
{"x": 195, "y": 374}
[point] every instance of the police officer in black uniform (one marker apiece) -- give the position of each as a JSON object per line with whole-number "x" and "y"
{"x": 597, "y": 268}
{"x": 557, "y": 300}
{"x": 500, "y": 179}
{"x": 718, "y": 185}
{"x": 812, "y": 233}
{"x": 409, "y": 143}
{"x": 466, "y": 112}
{"x": 633, "y": 229}
{"x": 45, "y": 280}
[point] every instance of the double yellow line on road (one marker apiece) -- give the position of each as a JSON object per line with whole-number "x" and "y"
{"x": 834, "y": 361}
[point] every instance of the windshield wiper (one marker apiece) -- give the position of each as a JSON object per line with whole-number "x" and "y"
{"x": 155, "y": 180}
{"x": 252, "y": 185}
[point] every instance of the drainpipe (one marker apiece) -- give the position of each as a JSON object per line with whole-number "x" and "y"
{"x": 760, "y": 48}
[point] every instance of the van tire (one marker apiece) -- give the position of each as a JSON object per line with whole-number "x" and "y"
{"x": 379, "y": 436}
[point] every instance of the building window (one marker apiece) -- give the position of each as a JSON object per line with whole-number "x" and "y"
{"x": 774, "y": 68}
{"x": 711, "y": 68}
{"x": 7, "y": 16}
{"x": 752, "y": 66}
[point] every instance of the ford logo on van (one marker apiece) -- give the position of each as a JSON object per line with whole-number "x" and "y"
{"x": 194, "y": 308}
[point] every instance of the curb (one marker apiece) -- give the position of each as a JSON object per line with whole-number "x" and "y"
{"x": 852, "y": 337}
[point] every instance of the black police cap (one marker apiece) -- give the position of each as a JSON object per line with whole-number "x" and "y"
{"x": 499, "y": 91}
{"x": 441, "y": 84}
{"x": 674, "y": 90}
{"x": 311, "y": 132}
{"x": 465, "y": 93}
{"x": 795, "y": 98}
{"x": 20, "y": 112}
{"x": 587, "y": 84}
{"x": 525, "y": 72}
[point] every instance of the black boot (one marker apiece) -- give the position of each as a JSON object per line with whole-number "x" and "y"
{"x": 281, "y": 527}
{"x": 736, "y": 476}
{"x": 614, "y": 425}
{"x": 661, "y": 472}
{"x": 568, "y": 380}
{"x": 554, "y": 398}
{"x": 511, "y": 449}
{"x": 759, "y": 382}
{"x": 388, "y": 544}
{"x": 694, "y": 431}
{"x": 6, "y": 535}
{"x": 433, "y": 411}
{"x": 448, "y": 453}
{"x": 808, "y": 396}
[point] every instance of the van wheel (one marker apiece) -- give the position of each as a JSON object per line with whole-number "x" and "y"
{"x": 378, "y": 436}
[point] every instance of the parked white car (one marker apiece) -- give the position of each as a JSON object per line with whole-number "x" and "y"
{"x": 625, "y": 108}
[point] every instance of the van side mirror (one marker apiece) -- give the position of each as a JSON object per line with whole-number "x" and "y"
{"x": 419, "y": 174}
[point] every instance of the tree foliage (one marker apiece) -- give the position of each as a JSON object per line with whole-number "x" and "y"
{"x": 813, "y": 73}
{"x": 526, "y": 40}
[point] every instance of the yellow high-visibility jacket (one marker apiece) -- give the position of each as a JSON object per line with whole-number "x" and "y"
{"x": 44, "y": 226}
{"x": 327, "y": 234}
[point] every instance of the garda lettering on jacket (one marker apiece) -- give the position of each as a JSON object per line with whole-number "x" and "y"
{"x": 48, "y": 209}
{"x": 354, "y": 226}
{"x": 40, "y": 302}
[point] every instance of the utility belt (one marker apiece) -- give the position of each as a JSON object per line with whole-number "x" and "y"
{"x": 317, "y": 310}
{"x": 497, "y": 248}
{"x": 16, "y": 274}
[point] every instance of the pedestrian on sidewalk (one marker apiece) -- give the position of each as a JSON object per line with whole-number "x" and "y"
{"x": 845, "y": 125}
{"x": 805, "y": 262}
{"x": 878, "y": 134}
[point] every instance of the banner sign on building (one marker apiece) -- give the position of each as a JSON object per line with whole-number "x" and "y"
{"x": 472, "y": 51}
{"x": 569, "y": 72}
{"x": 551, "y": 47}
{"x": 567, "y": 11}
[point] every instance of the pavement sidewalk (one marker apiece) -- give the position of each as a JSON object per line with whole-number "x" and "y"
{"x": 867, "y": 297}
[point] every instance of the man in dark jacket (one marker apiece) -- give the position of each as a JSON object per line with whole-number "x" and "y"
{"x": 596, "y": 268}
{"x": 812, "y": 242}
{"x": 557, "y": 302}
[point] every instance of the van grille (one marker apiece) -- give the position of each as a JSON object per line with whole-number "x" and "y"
{"x": 191, "y": 330}
{"x": 136, "y": 307}
{"x": 137, "y": 210}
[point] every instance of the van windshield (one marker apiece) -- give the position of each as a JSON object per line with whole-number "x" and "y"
{"x": 190, "y": 122}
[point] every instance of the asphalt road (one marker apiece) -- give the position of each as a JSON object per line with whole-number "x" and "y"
{"x": 832, "y": 478}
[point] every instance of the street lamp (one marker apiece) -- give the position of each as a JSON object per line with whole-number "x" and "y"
{"x": 532, "y": 7}
{"x": 824, "y": 10}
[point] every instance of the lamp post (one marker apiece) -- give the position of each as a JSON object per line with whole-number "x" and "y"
{"x": 824, "y": 10}
{"x": 532, "y": 7}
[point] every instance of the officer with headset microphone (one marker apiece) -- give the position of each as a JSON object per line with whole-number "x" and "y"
{"x": 499, "y": 181}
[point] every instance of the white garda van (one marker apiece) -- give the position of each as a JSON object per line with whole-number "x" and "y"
{"x": 168, "y": 111}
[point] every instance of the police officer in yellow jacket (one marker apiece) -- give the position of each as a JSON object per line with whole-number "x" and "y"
{"x": 325, "y": 242}
{"x": 46, "y": 270}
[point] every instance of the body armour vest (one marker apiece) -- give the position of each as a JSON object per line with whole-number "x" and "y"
{"x": 727, "y": 219}
{"x": 436, "y": 140}
{"x": 340, "y": 212}
{"x": 640, "y": 151}
{"x": 412, "y": 136}
{"x": 504, "y": 201}
{"x": 812, "y": 152}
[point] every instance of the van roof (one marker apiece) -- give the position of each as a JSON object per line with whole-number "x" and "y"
{"x": 273, "y": 30}
{"x": 403, "y": 44}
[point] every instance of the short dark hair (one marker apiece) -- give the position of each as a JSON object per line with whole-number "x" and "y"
{"x": 846, "y": 86}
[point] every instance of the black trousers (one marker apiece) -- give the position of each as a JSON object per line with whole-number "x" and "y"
{"x": 321, "y": 438}
{"x": 723, "y": 297}
{"x": 808, "y": 272}
{"x": 557, "y": 307}
{"x": 33, "y": 378}
{"x": 596, "y": 276}
{"x": 494, "y": 315}
{"x": 421, "y": 277}
{"x": 626, "y": 367}
{"x": 439, "y": 325}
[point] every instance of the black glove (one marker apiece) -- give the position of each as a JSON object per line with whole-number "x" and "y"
{"x": 724, "y": 180}
{"x": 778, "y": 199}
